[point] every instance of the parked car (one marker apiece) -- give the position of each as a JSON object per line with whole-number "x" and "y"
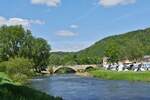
{"x": 146, "y": 66}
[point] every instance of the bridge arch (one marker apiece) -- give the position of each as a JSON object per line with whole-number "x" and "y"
{"x": 75, "y": 68}
{"x": 89, "y": 68}
{"x": 64, "y": 70}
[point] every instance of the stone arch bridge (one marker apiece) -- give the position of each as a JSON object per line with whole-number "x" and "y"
{"x": 76, "y": 68}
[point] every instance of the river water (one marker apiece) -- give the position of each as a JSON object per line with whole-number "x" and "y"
{"x": 72, "y": 87}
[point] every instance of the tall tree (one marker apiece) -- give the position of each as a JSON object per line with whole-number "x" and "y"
{"x": 113, "y": 53}
{"x": 135, "y": 52}
{"x": 15, "y": 41}
{"x": 26, "y": 47}
{"x": 11, "y": 39}
{"x": 40, "y": 53}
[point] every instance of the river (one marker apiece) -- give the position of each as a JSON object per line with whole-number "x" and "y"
{"x": 73, "y": 87}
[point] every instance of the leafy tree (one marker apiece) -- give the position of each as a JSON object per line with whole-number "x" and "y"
{"x": 113, "y": 53}
{"x": 27, "y": 45}
{"x": 15, "y": 41}
{"x": 11, "y": 40}
{"x": 40, "y": 53}
{"x": 135, "y": 52}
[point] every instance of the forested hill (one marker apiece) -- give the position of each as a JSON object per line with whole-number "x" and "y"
{"x": 132, "y": 45}
{"x": 131, "y": 42}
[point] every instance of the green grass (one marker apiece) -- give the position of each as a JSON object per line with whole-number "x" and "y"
{"x": 10, "y": 90}
{"x": 4, "y": 78}
{"x": 13, "y": 92}
{"x": 113, "y": 75}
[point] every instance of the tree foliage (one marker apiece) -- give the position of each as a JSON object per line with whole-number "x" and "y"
{"x": 58, "y": 58}
{"x": 18, "y": 69}
{"x": 40, "y": 53}
{"x": 15, "y": 41}
{"x": 113, "y": 53}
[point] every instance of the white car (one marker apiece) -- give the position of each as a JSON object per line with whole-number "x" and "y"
{"x": 146, "y": 66}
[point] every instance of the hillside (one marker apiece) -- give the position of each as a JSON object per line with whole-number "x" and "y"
{"x": 131, "y": 45}
{"x": 139, "y": 39}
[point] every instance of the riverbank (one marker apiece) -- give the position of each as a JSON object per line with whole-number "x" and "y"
{"x": 9, "y": 90}
{"x": 14, "y": 92}
{"x": 112, "y": 75}
{"x": 4, "y": 78}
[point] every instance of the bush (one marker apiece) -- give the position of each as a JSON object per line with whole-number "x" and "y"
{"x": 5, "y": 78}
{"x": 19, "y": 65}
{"x": 18, "y": 69}
{"x": 3, "y": 67}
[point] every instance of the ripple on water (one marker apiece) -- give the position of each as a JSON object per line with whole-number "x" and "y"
{"x": 72, "y": 87}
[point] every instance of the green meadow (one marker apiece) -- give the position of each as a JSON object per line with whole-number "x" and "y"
{"x": 113, "y": 75}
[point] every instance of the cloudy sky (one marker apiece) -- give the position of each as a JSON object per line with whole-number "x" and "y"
{"x": 71, "y": 25}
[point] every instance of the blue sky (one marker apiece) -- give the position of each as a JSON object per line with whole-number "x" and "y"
{"x": 71, "y": 25}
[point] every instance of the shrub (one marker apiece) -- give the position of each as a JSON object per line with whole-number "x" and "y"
{"x": 2, "y": 66}
{"x": 19, "y": 65}
{"x": 4, "y": 78}
{"x": 19, "y": 69}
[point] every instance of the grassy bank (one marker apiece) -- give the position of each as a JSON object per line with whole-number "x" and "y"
{"x": 112, "y": 75}
{"x": 13, "y": 92}
{"x": 9, "y": 90}
{"x": 5, "y": 79}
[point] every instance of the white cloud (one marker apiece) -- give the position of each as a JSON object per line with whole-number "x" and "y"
{"x": 108, "y": 3}
{"x": 18, "y": 21}
{"x": 70, "y": 46}
{"x": 50, "y": 3}
{"x": 74, "y": 26}
{"x": 65, "y": 33}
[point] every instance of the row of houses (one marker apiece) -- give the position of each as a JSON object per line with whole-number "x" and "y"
{"x": 127, "y": 65}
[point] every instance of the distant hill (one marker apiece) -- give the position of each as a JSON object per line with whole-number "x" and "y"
{"x": 129, "y": 44}
{"x": 135, "y": 39}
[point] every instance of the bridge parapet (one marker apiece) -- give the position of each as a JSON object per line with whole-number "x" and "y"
{"x": 75, "y": 67}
